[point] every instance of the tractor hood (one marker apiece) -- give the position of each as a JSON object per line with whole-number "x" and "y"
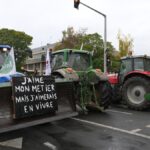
{"x": 113, "y": 78}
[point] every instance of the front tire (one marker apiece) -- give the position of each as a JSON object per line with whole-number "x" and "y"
{"x": 134, "y": 90}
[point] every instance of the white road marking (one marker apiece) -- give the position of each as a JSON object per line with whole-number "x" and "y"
{"x": 135, "y": 130}
{"x": 14, "y": 143}
{"x": 112, "y": 128}
{"x": 148, "y": 126}
{"x": 51, "y": 146}
{"x": 121, "y": 112}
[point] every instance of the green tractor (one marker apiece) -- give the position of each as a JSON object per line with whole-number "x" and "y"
{"x": 91, "y": 86}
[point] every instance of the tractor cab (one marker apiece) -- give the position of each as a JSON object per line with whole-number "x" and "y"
{"x": 79, "y": 61}
{"x": 75, "y": 59}
{"x": 134, "y": 64}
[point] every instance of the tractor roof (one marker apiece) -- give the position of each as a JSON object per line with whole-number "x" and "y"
{"x": 5, "y": 46}
{"x": 137, "y": 56}
{"x": 73, "y": 50}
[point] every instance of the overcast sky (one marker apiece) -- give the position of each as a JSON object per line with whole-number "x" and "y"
{"x": 44, "y": 20}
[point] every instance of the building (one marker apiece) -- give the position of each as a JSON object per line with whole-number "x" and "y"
{"x": 37, "y": 62}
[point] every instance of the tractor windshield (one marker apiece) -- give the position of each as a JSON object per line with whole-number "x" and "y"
{"x": 79, "y": 61}
{"x": 57, "y": 61}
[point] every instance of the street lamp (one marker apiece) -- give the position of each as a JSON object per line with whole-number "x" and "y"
{"x": 76, "y": 5}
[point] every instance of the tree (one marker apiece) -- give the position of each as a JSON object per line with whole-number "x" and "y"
{"x": 70, "y": 38}
{"x": 19, "y": 41}
{"x": 91, "y": 42}
{"x": 125, "y": 45}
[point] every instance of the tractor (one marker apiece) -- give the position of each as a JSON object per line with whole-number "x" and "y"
{"x": 131, "y": 85}
{"x": 91, "y": 86}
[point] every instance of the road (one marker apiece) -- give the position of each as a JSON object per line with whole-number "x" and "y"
{"x": 116, "y": 129}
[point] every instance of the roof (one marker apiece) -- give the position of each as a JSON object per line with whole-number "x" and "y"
{"x": 136, "y": 56}
{"x": 73, "y": 50}
{"x": 5, "y": 46}
{"x": 43, "y": 48}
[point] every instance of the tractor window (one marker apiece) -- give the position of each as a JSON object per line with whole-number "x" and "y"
{"x": 138, "y": 64}
{"x": 126, "y": 66}
{"x": 79, "y": 61}
{"x": 147, "y": 64}
{"x": 57, "y": 60}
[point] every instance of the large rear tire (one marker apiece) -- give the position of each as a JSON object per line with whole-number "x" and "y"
{"x": 134, "y": 90}
{"x": 104, "y": 93}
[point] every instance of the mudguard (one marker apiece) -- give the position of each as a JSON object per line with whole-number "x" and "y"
{"x": 96, "y": 75}
{"x": 67, "y": 73}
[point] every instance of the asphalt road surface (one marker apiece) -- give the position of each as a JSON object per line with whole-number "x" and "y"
{"x": 116, "y": 129}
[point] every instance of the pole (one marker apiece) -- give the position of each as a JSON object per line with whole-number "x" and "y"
{"x": 105, "y": 44}
{"x": 105, "y": 33}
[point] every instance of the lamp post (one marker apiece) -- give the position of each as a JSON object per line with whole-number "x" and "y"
{"x": 76, "y": 5}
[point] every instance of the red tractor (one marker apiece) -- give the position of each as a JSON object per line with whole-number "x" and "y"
{"x": 132, "y": 83}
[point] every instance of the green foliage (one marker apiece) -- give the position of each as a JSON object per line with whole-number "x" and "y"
{"x": 19, "y": 40}
{"x": 113, "y": 55}
{"x": 70, "y": 39}
{"x": 115, "y": 64}
{"x": 90, "y": 42}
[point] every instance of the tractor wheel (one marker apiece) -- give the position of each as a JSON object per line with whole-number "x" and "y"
{"x": 104, "y": 94}
{"x": 116, "y": 97}
{"x": 133, "y": 92}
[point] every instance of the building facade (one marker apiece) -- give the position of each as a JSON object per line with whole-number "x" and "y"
{"x": 37, "y": 62}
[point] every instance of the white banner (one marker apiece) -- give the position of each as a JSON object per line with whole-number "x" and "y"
{"x": 13, "y": 71}
{"x": 48, "y": 66}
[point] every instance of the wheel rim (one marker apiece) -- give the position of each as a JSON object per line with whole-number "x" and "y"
{"x": 135, "y": 93}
